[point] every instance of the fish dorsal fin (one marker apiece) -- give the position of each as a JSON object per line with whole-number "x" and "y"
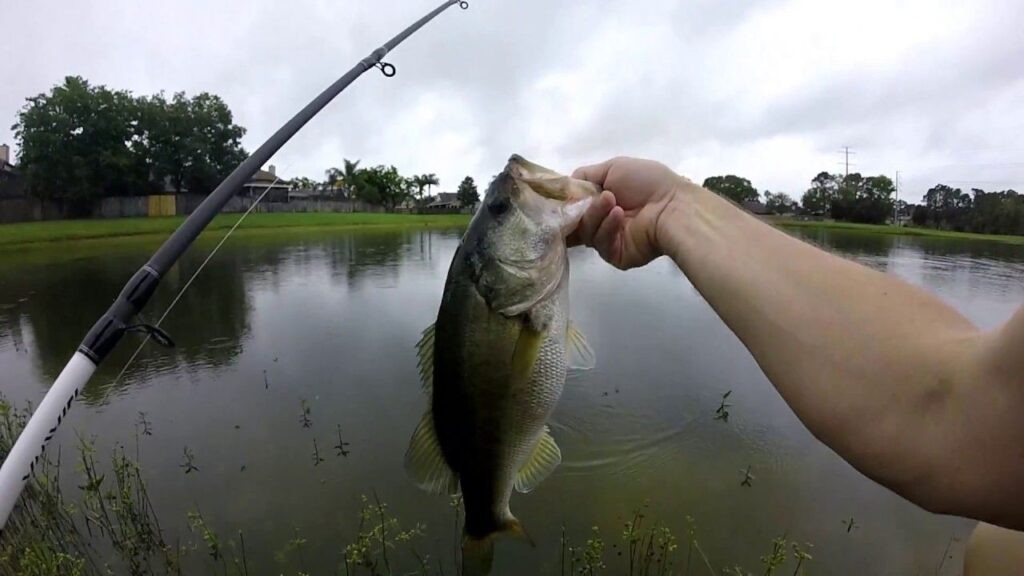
{"x": 580, "y": 355}
{"x": 545, "y": 458}
{"x": 425, "y": 463}
{"x": 425, "y": 356}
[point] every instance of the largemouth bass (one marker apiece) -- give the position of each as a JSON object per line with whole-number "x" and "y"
{"x": 495, "y": 362}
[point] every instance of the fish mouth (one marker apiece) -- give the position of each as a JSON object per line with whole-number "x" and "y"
{"x": 547, "y": 183}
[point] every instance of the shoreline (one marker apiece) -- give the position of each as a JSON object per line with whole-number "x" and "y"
{"x": 54, "y": 232}
{"x": 25, "y": 234}
{"x": 782, "y": 222}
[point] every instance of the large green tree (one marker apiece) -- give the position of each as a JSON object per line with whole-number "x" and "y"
{"x": 823, "y": 191}
{"x": 467, "y": 194}
{"x": 193, "y": 143}
{"x": 733, "y": 187}
{"x": 780, "y": 202}
{"x": 383, "y": 185}
{"x": 81, "y": 142}
{"x": 868, "y": 200}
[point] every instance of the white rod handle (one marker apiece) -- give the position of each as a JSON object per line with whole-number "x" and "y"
{"x": 27, "y": 449}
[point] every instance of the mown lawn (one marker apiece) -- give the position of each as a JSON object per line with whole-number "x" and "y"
{"x": 66, "y": 230}
{"x": 895, "y": 230}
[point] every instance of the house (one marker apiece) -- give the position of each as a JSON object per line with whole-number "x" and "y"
{"x": 11, "y": 183}
{"x": 261, "y": 181}
{"x": 306, "y": 194}
{"x": 445, "y": 202}
{"x": 756, "y": 207}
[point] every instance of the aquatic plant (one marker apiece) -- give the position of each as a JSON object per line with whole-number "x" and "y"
{"x": 111, "y": 527}
{"x": 722, "y": 412}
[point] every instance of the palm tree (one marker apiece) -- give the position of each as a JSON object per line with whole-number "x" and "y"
{"x": 333, "y": 175}
{"x": 419, "y": 183}
{"x": 430, "y": 180}
{"x": 350, "y": 175}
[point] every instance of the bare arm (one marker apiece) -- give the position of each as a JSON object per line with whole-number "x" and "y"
{"x": 898, "y": 383}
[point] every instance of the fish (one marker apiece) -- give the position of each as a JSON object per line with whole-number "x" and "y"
{"x": 495, "y": 361}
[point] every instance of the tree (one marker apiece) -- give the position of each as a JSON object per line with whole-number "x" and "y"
{"x": 737, "y": 189}
{"x": 81, "y": 142}
{"x": 332, "y": 176}
{"x": 383, "y": 185}
{"x": 192, "y": 142}
{"x": 303, "y": 183}
{"x": 350, "y": 176}
{"x": 823, "y": 191}
{"x": 875, "y": 200}
{"x": 430, "y": 180}
{"x": 780, "y": 203}
{"x": 467, "y": 194}
{"x": 919, "y": 216}
{"x": 852, "y": 197}
{"x": 948, "y": 207}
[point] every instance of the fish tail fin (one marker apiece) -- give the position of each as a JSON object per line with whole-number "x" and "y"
{"x": 478, "y": 553}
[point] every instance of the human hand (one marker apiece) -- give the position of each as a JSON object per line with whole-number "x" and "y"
{"x": 622, "y": 223}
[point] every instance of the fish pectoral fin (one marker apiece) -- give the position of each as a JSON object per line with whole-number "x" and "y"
{"x": 542, "y": 462}
{"x": 580, "y": 355}
{"x": 425, "y": 358}
{"x": 425, "y": 463}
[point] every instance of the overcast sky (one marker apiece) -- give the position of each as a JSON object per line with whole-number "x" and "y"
{"x": 769, "y": 90}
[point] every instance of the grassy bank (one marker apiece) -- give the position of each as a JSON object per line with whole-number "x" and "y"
{"x": 66, "y": 230}
{"x": 894, "y": 230}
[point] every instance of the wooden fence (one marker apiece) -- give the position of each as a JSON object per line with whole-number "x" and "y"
{"x": 30, "y": 209}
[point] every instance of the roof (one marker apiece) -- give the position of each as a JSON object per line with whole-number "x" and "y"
{"x": 305, "y": 193}
{"x": 265, "y": 177}
{"x": 445, "y": 199}
{"x": 756, "y": 207}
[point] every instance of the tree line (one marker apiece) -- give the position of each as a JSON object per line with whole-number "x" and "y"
{"x": 871, "y": 200}
{"x": 384, "y": 186}
{"x": 951, "y": 208}
{"x": 80, "y": 142}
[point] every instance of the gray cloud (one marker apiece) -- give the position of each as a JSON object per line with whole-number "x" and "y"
{"x": 769, "y": 90}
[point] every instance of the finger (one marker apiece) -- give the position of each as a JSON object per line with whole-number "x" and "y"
{"x": 596, "y": 173}
{"x": 608, "y": 238}
{"x": 592, "y": 218}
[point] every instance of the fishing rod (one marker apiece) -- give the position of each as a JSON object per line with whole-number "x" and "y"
{"x": 20, "y": 463}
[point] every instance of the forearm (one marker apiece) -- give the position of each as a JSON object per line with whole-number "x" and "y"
{"x": 878, "y": 369}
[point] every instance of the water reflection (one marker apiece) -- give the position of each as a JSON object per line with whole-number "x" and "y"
{"x": 279, "y": 322}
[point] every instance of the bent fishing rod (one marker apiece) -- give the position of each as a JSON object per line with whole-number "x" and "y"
{"x": 20, "y": 463}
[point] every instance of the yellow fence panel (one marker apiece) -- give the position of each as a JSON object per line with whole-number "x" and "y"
{"x": 162, "y": 205}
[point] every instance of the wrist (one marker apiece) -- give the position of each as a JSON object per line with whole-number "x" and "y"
{"x": 668, "y": 229}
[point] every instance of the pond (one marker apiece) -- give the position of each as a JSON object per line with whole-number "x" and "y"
{"x": 289, "y": 338}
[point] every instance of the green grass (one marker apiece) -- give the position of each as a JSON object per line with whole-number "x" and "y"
{"x": 68, "y": 230}
{"x": 895, "y": 230}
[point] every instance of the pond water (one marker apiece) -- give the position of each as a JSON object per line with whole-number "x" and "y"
{"x": 284, "y": 321}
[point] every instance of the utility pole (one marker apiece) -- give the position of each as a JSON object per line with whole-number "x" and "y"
{"x": 846, "y": 153}
{"x": 896, "y": 205}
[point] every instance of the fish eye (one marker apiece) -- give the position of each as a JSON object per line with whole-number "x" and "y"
{"x": 498, "y": 207}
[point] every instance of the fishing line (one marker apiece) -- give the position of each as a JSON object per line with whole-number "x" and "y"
{"x": 193, "y": 277}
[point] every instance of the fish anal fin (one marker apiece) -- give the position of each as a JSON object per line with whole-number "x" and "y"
{"x": 542, "y": 462}
{"x": 425, "y": 463}
{"x": 580, "y": 355}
